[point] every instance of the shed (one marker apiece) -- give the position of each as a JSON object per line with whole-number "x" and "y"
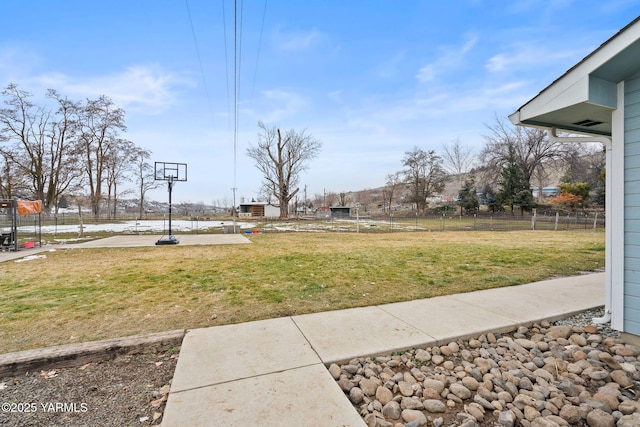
{"x": 259, "y": 209}
{"x": 340, "y": 212}
{"x": 598, "y": 100}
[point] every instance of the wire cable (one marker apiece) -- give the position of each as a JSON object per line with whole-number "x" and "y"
{"x": 226, "y": 60}
{"x": 195, "y": 42}
{"x": 255, "y": 73}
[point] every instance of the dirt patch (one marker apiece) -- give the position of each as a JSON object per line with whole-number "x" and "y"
{"x": 126, "y": 390}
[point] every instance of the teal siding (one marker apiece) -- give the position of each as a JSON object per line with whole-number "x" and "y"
{"x": 632, "y": 205}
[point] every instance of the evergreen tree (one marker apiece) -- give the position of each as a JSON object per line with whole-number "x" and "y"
{"x": 515, "y": 189}
{"x": 489, "y": 198}
{"x": 467, "y": 198}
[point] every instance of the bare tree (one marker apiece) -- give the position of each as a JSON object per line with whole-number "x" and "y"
{"x": 11, "y": 183}
{"x": 457, "y": 159}
{"x": 118, "y": 164}
{"x": 424, "y": 175}
{"x": 281, "y": 158}
{"x": 330, "y": 198}
{"x": 24, "y": 139}
{"x": 585, "y": 163}
{"x": 143, "y": 175}
{"x": 531, "y": 148}
{"x": 64, "y": 156}
{"x": 100, "y": 122}
{"x": 394, "y": 182}
{"x": 39, "y": 144}
{"x": 343, "y": 198}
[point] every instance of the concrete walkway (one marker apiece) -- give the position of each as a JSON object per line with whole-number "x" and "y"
{"x": 273, "y": 372}
{"x": 131, "y": 240}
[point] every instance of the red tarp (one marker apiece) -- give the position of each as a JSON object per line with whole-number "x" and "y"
{"x": 29, "y": 208}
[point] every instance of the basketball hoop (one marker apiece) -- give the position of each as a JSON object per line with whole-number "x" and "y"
{"x": 172, "y": 173}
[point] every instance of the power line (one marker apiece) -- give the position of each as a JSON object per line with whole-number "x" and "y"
{"x": 226, "y": 57}
{"x": 195, "y": 42}
{"x": 255, "y": 73}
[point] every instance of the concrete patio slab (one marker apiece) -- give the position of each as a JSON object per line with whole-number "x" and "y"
{"x": 344, "y": 334}
{"x": 225, "y": 353}
{"x": 305, "y": 396}
{"x": 124, "y": 241}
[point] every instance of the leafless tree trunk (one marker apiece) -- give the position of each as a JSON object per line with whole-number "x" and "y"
{"x": 281, "y": 159}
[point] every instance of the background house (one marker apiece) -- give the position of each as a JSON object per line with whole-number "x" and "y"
{"x": 259, "y": 209}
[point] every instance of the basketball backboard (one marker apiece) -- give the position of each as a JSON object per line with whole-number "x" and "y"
{"x": 169, "y": 171}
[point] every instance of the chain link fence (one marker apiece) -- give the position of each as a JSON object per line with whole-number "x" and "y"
{"x": 72, "y": 225}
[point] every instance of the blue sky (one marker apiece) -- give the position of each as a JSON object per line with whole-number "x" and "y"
{"x": 369, "y": 79}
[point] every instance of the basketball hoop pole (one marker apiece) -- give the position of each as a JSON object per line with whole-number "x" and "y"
{"x": 170, "y": 189}
{"x": 170, "y": 172}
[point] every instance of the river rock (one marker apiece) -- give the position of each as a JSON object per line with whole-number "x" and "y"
{"x": 368, "y": 386}
{"x": 434, "y": 406}
{"x": 411, "y": 415}
{"x": 383, "y": 395}
{"x": 562, "y": 331}
{"x": 405, "y": 388}
{"x": 460, "y": 391}
{"x": 599, "y": 418}
{"x": 506, "y": 419}
{"x": 356, "y": 395}
{"x": 632, "y": 420}
{"x": 620, "y": 377}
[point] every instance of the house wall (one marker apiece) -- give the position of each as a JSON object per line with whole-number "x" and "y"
{"x": 632, "y": 205}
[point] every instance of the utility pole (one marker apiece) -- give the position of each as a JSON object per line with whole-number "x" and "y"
{"x": 233, "y": 210}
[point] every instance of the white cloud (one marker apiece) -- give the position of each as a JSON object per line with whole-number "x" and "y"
{"x": 298, "y": 41}
{"x": 540, "y": 7}
{"x": 280, "y": 104}
{"x": 144, "y": 89}
{"x": 427, "y": 73}
{"x": 528, "y": 54}
{"x": 393, "y": 65}
{"x": 335, "y": 95}
{"x": 448, "y": 57}
{"x": 16, "y": 62}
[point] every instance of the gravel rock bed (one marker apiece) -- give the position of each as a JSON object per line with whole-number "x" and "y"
{"x": 569, "y": 373}
{"x": 128, "y": 390}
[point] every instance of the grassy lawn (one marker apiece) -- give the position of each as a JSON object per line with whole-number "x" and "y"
{"x": 88, "y": 294}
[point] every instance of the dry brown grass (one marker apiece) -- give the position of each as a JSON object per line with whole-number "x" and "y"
{"x": 88, "y": 294}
